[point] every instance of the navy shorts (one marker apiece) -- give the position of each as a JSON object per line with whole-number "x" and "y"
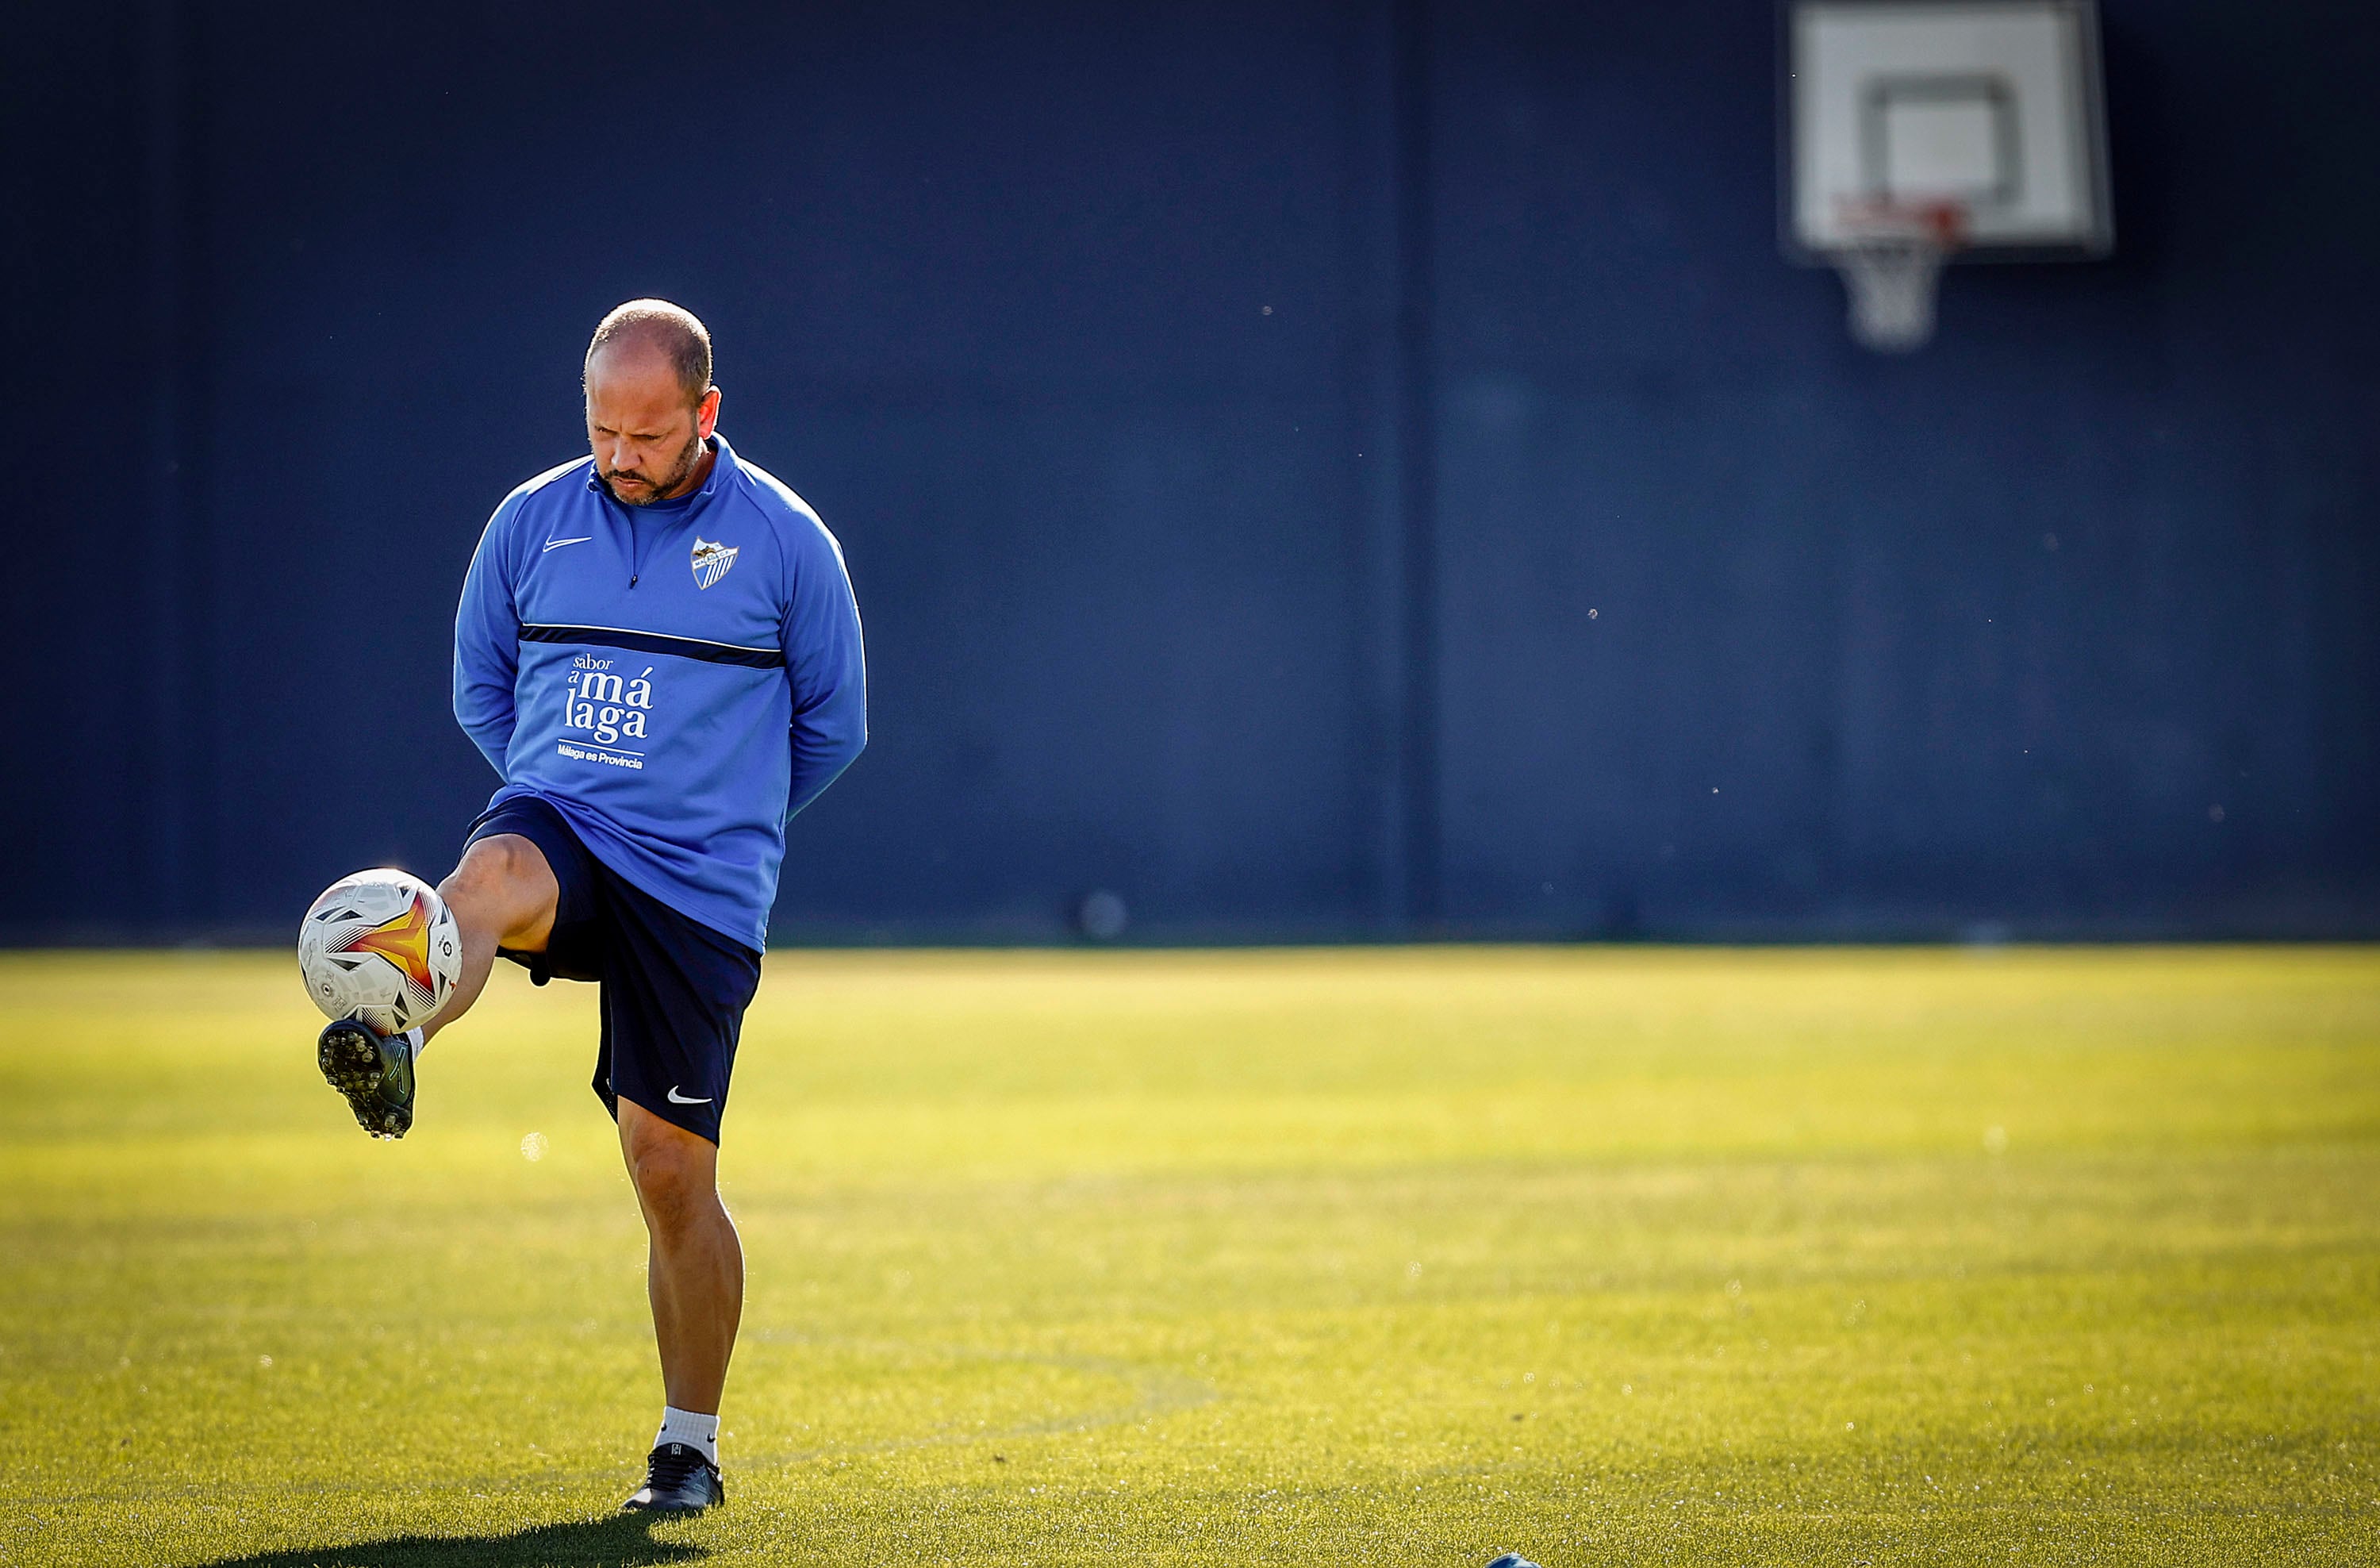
{"x": 674, "y": 990}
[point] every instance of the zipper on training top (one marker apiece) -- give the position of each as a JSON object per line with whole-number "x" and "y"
{"x": 637, "y": 544}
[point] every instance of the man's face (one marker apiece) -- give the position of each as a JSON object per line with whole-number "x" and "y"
{"x": 645, "y": 436}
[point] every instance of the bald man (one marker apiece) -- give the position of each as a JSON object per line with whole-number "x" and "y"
{"x": 658, "y": 651}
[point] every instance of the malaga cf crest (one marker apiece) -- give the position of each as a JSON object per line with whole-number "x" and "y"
{"x": 711, "y": 561}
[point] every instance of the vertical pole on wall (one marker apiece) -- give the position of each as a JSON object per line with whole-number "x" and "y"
{"x": 1417, "y": 475}
{"x": 175, "y": 804}
{"x": 160, "y": 799}
{"x": 1395, "y": 476}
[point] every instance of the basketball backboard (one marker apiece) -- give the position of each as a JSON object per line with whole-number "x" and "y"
{"x": 1925, "y": 131}
{"x": 1992, "y": 104}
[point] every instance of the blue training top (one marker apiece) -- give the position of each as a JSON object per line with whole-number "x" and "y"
{"x": 678, "y": 680}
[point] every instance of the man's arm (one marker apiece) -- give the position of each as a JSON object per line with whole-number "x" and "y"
{"x": 487, "y": 643}
{"x": 828, "y": 666}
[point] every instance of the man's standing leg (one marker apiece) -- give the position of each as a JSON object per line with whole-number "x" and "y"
{"x": 694, "y": 1276}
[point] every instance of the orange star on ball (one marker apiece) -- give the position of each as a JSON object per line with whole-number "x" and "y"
{"x": 404, "y": 942}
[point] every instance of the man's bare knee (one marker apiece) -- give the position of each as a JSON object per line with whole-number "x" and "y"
{"x": 675, "y": 1171}
{"x": 495, "y": 866}
{"x": 504, "y": 885}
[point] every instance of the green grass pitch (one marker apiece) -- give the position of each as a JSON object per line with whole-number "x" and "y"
{"x": 1376, "y": 1257}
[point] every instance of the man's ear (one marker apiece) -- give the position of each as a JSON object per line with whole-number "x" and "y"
{"x": 705, "y": 414}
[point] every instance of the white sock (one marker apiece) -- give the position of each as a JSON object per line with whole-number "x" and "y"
{"x": 691, "y": 1429}
{"x": 421, "y": 1044}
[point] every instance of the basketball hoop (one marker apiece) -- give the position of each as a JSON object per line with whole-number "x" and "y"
{"x": 1891, "y": 261}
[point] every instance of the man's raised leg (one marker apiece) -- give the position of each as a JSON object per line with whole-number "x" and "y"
{"x": 503, "y": 895}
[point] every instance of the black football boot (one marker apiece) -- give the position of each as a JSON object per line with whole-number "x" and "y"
{"x": 374, "y": 1071}
{"x": 678, "y": 1479}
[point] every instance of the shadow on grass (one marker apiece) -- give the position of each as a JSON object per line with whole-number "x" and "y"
{"x": 616, "y": 1541}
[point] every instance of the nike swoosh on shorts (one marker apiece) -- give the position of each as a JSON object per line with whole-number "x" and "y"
{"x": 677, "y": 1098}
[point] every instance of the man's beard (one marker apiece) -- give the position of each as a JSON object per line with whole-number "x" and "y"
{"x": 646, "y": 494}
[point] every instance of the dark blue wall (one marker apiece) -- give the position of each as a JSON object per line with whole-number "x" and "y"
{"x": 1314, "y": 471}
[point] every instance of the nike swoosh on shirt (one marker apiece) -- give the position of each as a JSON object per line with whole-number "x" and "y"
{"x": 677, "y": 1098}
{"x": 558, "y": 543}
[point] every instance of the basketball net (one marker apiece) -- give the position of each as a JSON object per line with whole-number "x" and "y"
{"x": 1891, "y": 262}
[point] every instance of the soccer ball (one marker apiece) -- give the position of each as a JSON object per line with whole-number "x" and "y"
{"x": 381, "y": 946}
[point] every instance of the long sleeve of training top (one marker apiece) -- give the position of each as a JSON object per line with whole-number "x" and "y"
{"x": 677, "y": 681}
{"x": 828, "y": 673}
{"x": 486, "y": 642}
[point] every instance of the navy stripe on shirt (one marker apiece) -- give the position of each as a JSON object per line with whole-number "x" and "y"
{"x": 658, "y": 642}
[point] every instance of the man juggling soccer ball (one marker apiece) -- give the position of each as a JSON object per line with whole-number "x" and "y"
{"x": 658, "y": 649}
